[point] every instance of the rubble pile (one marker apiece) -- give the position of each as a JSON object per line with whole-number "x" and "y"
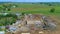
{"x": 32, "y": 22}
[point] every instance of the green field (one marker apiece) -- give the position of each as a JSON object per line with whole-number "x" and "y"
{"x": 35, "y": 9}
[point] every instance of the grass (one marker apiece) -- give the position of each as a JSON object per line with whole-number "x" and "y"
{"x": 35, "y": 9}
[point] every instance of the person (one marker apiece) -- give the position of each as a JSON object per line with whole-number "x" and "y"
{"x": 45, "y": 26}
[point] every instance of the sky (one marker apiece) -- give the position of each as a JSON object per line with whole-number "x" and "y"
{"x": 29, "y": 0}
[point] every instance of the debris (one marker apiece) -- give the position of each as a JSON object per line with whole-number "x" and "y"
{"x": 23, "y": 28}
{"x": 2, "y": 32}
{"x": 12, "y": 29}
{"x": 33, "y": 23}
{"x": 25, "y": 33}
{"x": 41, "y": 32}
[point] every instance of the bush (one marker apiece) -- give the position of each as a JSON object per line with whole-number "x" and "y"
{"x": 50, "y": 4}
{"x": 52, "y": 10}
{"x": 9, "y": 9}
{"x": 7, "y": 19}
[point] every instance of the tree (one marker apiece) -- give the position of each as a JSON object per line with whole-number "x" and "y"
{"x": 50, "y": 4}
{"x": 52, "y": 10}
{"x": 9, "y": 9}
{"x": 6, "y": 7}
{"x": 23, "y": 13}
{"x": 7, "y": 19}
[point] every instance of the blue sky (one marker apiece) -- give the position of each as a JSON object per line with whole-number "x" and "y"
{"x": 29, "y": 0}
